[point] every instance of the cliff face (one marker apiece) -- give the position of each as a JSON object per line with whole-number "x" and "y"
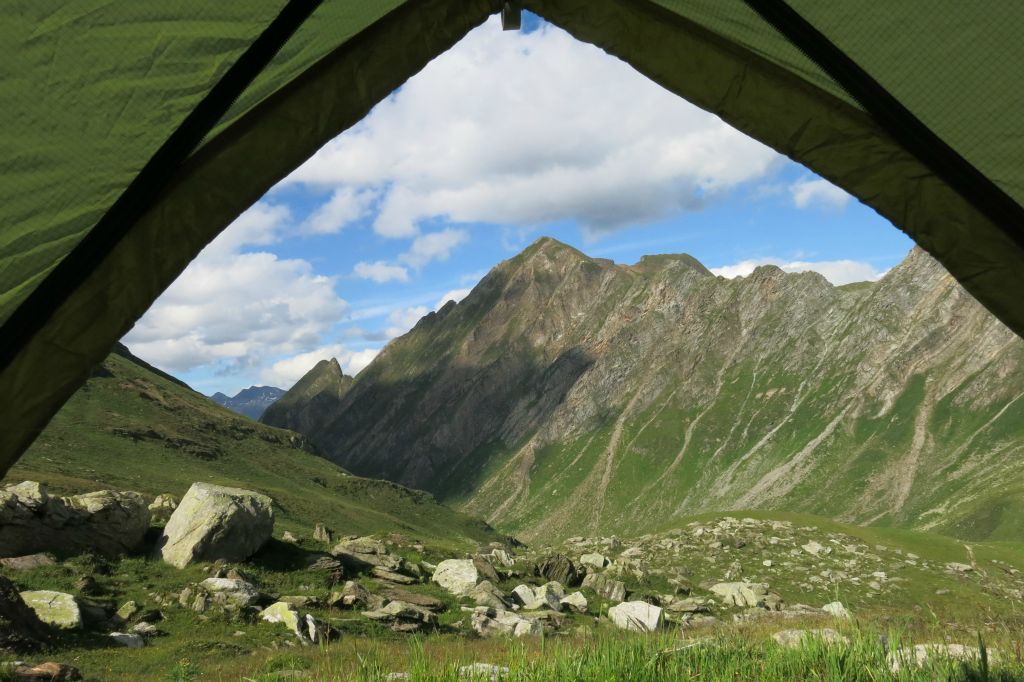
{"x": 567, "y": 394}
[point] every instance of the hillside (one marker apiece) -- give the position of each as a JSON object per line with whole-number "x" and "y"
{"x": 252, "y": 401}
{"x": 314, "y": 398}
{"x": 129, "y": 428}
{"x": 571, "y": 395}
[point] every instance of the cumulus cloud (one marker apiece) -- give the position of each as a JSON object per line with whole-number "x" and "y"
{"x": 433, "y": 246}
{"x": 236, "y": 309}
{"x": 818, "y": 193}
{"x": 381, "y": 272}
{"x": 345, "y": 206}
{"x": 404, "y": 319}
{"x": 838, "y": 272}
{"x": 284, "y": 373}
{"x": 566, "y": 132}
{"x": 453, "y": 295}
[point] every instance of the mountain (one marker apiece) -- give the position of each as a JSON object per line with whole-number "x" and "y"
{"x": 252, "y": 401}
{"x": 569, "y": 395}
{"x": 315, "y": 397}
{"x": 130, "y": 428}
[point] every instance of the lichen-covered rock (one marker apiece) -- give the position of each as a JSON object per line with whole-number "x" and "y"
{"x": 288, "y": 615}
{"x": 161, "y": 508}
{"x": 215, "y": 522}
{"x": 636, "y": 615}
{"x": 107, "y": 522}
{"x": 20, "y": 627}
{"x": 458, "y": 576}
{"x": 54, "y": 608}
{"x": 748, "y": 595}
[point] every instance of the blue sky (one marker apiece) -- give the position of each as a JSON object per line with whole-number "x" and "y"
{"x": 505, "y": 138}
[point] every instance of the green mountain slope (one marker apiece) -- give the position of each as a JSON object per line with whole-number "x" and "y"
{"x": 130, "y": 428}
{"x": 571, "y": 395}
{"x": 315, "y": 397}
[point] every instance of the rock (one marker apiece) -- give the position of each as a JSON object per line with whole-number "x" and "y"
{"x": 230, "y": 593}
{"x": 424, "y": 600}
{"x": 161, "y": 508}
{"x": 458, "y": 576}
{"x": 548, "y": 596}
{"x": 392, "y": 577}
{"x": 636, "y": 615}
{"x": 815, "y": 548}
{"x": 46, "y": 672}
{"x": 486, "y": 594}
{"x": 559, "y": 568}
{"x": 397, "y": 613}
{"x": 289, "y": 538}
{"x": 605, "y": 587}
{"x": 482, "y": 672}
{"x": 128, "y": 610}
{"x": 362, "y": 554}
{"x": 575, "y": 602}
{"x": 285, "y": 613}
{"x": 146, "y": 629}
{"x": 836, "y": 609}
{"x": 106, "y": 522}
{"x": 595, "y": 561}
{"x": 322, "y": 533}
{"x": 748, "y": 595}
{"x": 955, "y": 567}
{"x": 216, "y": 523}
{"x": 689, "y": 605}
{"x": 325, "y": 563}
{"x": 54, "y": 608}
{"x": 29, "y": 561}
{"x": 129, "y": 640}
{"x": 485, "y": 571}
{"x": 488, "y": 622}
{"x": 302, "y": 601}
{"x": 502, "y": 557}
{"x": 794, "y": 639}
{"x": 20, "y": 627}
{"x": 921, "y": 654}
{"x": 355, "y": 596}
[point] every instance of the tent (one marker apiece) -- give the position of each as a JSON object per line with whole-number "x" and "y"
{"x": 133, "y": 133}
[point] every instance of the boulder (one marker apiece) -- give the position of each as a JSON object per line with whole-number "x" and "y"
{"x": 29, "y": 561}
{"x": 458, "y": 576}
{"x": 636, "y": 615}
{"x": 836, "y": 609}
{"x": 54, "y": 608}
{"x": 575, "y": 602}
{"x": 594, "y": 561}
{"x": 485, "y": 570}
{"x": 547, "y": 596}
{"x": 161, "y": 508}
{"x": 20, "y": 627}
{"x": 794, "y": 639}
{"x": 920, "y": 655}
{"x": 322, "y": 533}
{"x": 400, "y": 613}
{"x": 130, "y": 640}
{"x": 815, "y": 548}
{"x": 216, "y": 523}
{"x": 289, "y": 537}
{"x": 224, "y": 594}
{"x": 106, "y": 522}
{"x": 486, "y": 594}
{"x": 354, "y": 596}
{"x": 747, "y": 595}
{"x": 424, "y": 600}
{"x": 46, "y": 672}
{"x": 488, "y": 622}
{"x": 363, "y": 554}
{"x": 285, "y": 613}
{"x": 559, "y": 568}
{"x": 392, "y": 576}
{"x": 605, "y": 587}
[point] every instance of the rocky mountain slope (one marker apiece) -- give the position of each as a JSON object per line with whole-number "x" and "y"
{"x": 130, "y": 428}
{"x": 571, "y": 395}
{"x": 252, "y": 401}
{"x": 314, "y": 398}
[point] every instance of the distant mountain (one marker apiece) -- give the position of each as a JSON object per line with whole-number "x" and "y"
{"x": 130, "y": 428}
{"x": 252, "y": 401}
{"x": 570, "y": 395}
{"x": 316, "y": 397}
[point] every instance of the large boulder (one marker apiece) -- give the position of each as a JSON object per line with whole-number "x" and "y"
{"x": 458, "y": 576}
{"x": 20, "y": 627}
{"x": 636, "y": 615}
{"x": 606, "y": 587}
{"x": 214, "y": 522}
{"x": 560, "y": 569}
{"x": 54, "y": 608}
{"x": 488, "y": 622}
{"x": 748, "y": 594}
{"x": 106, "y": 522}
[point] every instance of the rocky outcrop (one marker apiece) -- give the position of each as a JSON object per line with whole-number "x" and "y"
{"x": 105, "y": 522}
{"x": 215, "y": 522}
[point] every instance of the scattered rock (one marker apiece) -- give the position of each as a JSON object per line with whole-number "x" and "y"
{"x": 46, "y": 672}
{"x": 575, "y": 602}
{"x": 424, "y": 600}
{"x": 392, "y": 576}
{"x": 605, "y": 587}
{"x": 748, "y": 595}
{"x": 636, "y": 615}
{"x": 146, "y": 629}
{"x": 285, "y": 613}
{"x": 322, "y": 533}
{"x": 595, "y": 561}
{"x": 355, "y": 596}
{"x": 128, "y": 610}
{"x": 29, "y": 561}
{"x": 161, "y": 508}
{"x": 215, "y": 522}
{"x": 955, "y": 567}
{"x": 400, "y": 613}
{"x": 106, "y": 522}
{"x": 226, "y": 594}
{"x": 129, "y": 640}
{"x": 20, "y": 628}
{"x": 488, "y": 622}
{"x": 458, "y": 576}
{"x": 486, "y": 594}
{"x": 794, "y": 639}
{"x": 920, "y": 655}
{"x": 560, "y": 569}
{"x": 836, "y": 609}
{"x": 54, "y": 608}
{"x": 362, "y": 554}
{"x": 288, "y": 537}
{"x": 815, "y": 548}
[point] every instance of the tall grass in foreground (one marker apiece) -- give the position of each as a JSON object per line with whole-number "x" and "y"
{"x": 614, "y": 657}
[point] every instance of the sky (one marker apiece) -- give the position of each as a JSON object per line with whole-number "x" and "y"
{"x": 507, "y": 137}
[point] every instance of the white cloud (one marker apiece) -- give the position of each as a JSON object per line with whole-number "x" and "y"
{"x": 838, "y": 272}
{"x": 404, "y": 319}
{"x": 528, "y": 129}
{"x": 453, "y": 295}
{"x": 284, "y": 373}
{"x": 818, "y": 192}
{"x": 381, "y": 272}
{"x": 235, "y": 309}
{"x": 433, "y": 246}
{"x": 345, "y": 206}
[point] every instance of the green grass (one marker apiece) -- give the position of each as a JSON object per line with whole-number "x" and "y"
{"x": 130, "y": 429}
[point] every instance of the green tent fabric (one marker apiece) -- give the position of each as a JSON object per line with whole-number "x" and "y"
{"x": 912, "y": 107}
